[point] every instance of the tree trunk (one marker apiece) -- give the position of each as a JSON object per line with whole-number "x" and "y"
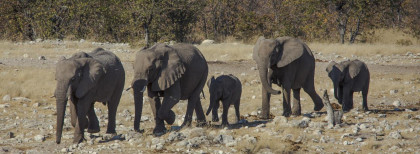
{"x": 356, "y": 32}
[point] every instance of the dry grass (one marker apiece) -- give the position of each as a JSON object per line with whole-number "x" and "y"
{"x": 226, "y": 51}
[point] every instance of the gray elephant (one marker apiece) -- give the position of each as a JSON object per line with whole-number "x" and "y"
{"x": 177, "y": 72}
{"x": 289, "y": 63}
{"x": 86, "y": 78}
{"x": 348, "y": 77}
{"x": 225, "y": 88}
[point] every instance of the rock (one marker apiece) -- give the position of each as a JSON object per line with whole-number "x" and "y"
{"x": 348, "y": 142}
{"x": 207, "y": 42}
{"x": 197, "y": 141}
{"x": 175, "y": 136}
{"x": 280, "y": 120}
{"x": 254, "y": 68}
{"x": 225, "y": 139}
{"x": 65, "y": 150}
{"x": 157, "y": 143}
{"x": 36, "y": 105}
{"x": 25, "y": 55}
{"x": 39, "y": 138}
{"x": 6, "y": 98}
{"x": 254, "y": 113}
{"x": 359, "y": 139}
{"x": 395, "y": 135}
{"x": 382, "y": 115}
{"x": 81, "y": 40}
{"x": 38, "y": 40}
{"x": 393, "y": 91}
{"x": 21, "y": 99}
{"x": 396, "y": 103}
{"x": 318, "y": 132}
{"x": 42, "y": 58}
{"x": 10, "y": 135}
{"x": 301, "y": 123}
{"x": 364, "y": 126}
{"x": 253, "y": 97}
{"x": 2, "y": 106}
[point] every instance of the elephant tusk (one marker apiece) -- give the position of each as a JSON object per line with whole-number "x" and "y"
{"x": 144, "y": 88}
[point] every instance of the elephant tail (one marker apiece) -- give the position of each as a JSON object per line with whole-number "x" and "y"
{"x": 203, "y": 96}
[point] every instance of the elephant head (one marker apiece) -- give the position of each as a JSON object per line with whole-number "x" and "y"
{"x": 75, "y": 77}
{"x": 336, "y": 74}
{"x": 272, "y": 54}
{"x": 216, "y": 93}
{"x": 158, "y": 68}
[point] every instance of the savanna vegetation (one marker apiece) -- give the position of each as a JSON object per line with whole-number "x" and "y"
{"x": 143, "y": 21}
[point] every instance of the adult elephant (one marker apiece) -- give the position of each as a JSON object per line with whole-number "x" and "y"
{"x": 86, "y": 78}
{"x": 289, "y": 63}
{"x": 177, "y": 72}
{"x": 348, "y": 77}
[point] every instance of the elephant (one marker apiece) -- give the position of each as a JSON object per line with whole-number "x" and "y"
{"x": 177, "y": 72}
{"x": 86, "y": 78}
{"x": 225, "y": 88}
{"x": 289, "y": 63}
{"x": 348, "y": 77}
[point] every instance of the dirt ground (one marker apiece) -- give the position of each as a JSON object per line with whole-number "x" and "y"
{"x": 28, "y": 118}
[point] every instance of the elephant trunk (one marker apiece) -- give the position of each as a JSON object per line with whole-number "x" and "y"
{"x": 138, "y": 88}
{"x": 263, "y": 70}
{"x": 336, "y": 90}
{"x": 61, "y": 102}
{"x": 211, "y": 105}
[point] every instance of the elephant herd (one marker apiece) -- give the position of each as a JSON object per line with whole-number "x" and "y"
{"x": 179, "y": 72}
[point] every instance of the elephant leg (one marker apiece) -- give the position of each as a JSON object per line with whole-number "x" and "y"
{"x": 286, "y": 102}
{"x": 296, "y": 108}
{"x": 201, "y": 118}
{"x": 73, "y": 114}
{"x": 318, "y": 105}
{"x": 351, "y": 99}
{"x": 215, "y": 115}
{"x": 93, "y": 120}
{"x": 364, "y": 95}
{"x": 112, "y": 112}
{"x": 236, "y": 105}
{"x": 155, "y": 105}
{"x": 340, "y": 94}
{"x": 225, "y": 113}
{"x": 346, "y": 99}
{"x": 82, "y": 110}
{"x": 164, "y": 113}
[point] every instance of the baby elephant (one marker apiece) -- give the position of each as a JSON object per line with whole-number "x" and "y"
{"x": 348, "y": 77}
{"x": 228, "y": 89}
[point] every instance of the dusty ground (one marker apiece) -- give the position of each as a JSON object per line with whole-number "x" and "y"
{"x": 27, "y": 113}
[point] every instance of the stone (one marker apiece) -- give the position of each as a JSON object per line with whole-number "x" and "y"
{"x": 36, "y": 105}
{"x": 42, "y": 58}
{"x": 394, "y": 91}
{"x": 21, "y": 99}
{"x": 207, "y": 42}
{"x": 280, "y": 120}
{"x": 175, "y": 136}
{"x": 396, "y": 103}
{"x": 39, "y": 138}
{"x": 10, "y": 135}
{"x": 382, "y": 115}
{"x": 301, "y": 123}
{"x": 64, "y": 150}
{"x": 254, "y": 68}
{"x": 25, "y": 55}
{"x": 6, "y": 98}
{"x": 359, "y": 139}
{"x": 224, "y": 139}
{"x": 2, "y": 106}
{"x": 395, "y": 135}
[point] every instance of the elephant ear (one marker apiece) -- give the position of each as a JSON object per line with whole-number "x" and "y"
{"x": 171, "y": 69}
{"x": 330, "y": 66}
{"x": 288, "y": 50}
{"x": 354, "y": 69}
{"x": 92, "y": 71}
{"x": 211, "y": 80}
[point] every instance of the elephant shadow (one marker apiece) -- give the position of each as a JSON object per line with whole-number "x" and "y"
{"x": 243, "y": 124}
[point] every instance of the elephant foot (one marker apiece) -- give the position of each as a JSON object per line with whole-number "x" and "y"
{"x": 286, "y": 113}
{"x": 78, "y": 139}
{"x": 139, "y": 130}
{"x": 225, "y": 124}
{"x": 318, "y": 107}
{"x": 215, "y": 119}
{"x": 93, "y": 130}
{"x": 201, "y": 123}
{"x": 365, "y": 109}
{"x": 296, "y": 113}
{"x": 171, "y": 117}
{"x": 159, "y": 131}
{"x": 264, "y": 115}
{"x": 186, "y": 124}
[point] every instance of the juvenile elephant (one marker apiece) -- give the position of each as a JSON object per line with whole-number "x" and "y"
{"x": 289, "y": 63}
{"x": 177, "y": 72}
{"x": 86, "y": 78}
{"x": 348, "y": 77}
{"x": 225, "y": 88}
